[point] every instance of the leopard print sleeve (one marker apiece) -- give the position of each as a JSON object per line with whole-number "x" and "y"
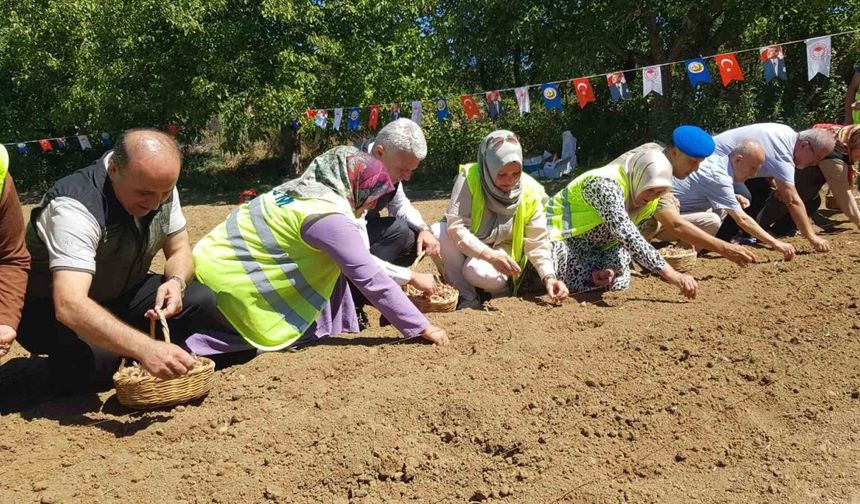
{"x": 607, "y": 197}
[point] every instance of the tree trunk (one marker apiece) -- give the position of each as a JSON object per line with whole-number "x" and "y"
{"x": 290, "y": 161}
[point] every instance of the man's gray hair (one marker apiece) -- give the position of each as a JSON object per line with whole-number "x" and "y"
{"x": 405, "y": 136}
{"x": 819, "y": 139}
{"x": 747, "y": 147}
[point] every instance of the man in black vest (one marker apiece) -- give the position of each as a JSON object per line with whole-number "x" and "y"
{"x": 92, "y": 239}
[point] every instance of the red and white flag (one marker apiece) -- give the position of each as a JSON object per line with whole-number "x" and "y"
{"x": 523, "y": 99}
{"x": 730, "y": 70}
{"x": 584, "y": 91}
{"x": 374, "y": 117}
{"x": 470, "y": 107}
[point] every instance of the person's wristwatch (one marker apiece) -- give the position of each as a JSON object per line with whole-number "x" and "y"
{"x": 180, "y": 280}
{"x": 423, "y": 227}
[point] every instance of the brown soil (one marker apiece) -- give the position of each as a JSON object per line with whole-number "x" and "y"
{"x": 747, "y": 394}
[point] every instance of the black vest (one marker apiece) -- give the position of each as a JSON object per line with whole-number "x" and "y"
{"x": 125, "y": 251}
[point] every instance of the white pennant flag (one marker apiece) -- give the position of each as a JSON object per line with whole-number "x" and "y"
{"x": 416, "y": 112}
{"x": 85, "y": 142}
{"x": 523, "y": 99}
{"x": 338, "y": 115}
{"x": 818, "y": 56}
{"x": 652, "y": 80}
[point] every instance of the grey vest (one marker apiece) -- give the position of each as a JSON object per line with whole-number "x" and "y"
{"x": 125, "y": 251}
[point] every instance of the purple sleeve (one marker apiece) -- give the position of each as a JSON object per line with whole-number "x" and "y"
{"x": 339, "y": 237}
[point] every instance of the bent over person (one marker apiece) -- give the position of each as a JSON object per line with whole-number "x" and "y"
{"x": 93, "y": 238}
{"x": 14, "y": 258}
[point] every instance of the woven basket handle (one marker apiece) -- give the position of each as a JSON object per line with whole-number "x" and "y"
{"x": 165, "y": 330}
{"x": 437, "y": 261}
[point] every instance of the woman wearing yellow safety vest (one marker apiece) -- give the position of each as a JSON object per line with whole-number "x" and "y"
{"x": 495, "y": 223}
{"x": 593, "y": 224}
{"x": 277, "y": 265}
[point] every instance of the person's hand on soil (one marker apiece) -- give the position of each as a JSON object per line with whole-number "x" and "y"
{"x": 7, "y": 336}
{"x": 168, "y": 299}
{"x": 687, "y": 284}
{"x": 819, "y": 244}
{"x": 603, "y": 278}
{"x": 503, "y": 263}
{"x": 428, "y": 244}
{"x": 742, "y": 201}
{"x": 738, "y": 254}
{"x": 786, "y": 249}
{"x": 435, "y": 335}
{"x": 556, "y": 289}
{"x": 425, "y": 282}
{"x": 165, "y": 360}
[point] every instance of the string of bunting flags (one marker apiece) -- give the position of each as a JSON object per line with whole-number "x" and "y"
{"x": 772, "y": 58}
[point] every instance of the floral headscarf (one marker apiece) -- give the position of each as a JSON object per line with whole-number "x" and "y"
{"x": 342, "y": 172}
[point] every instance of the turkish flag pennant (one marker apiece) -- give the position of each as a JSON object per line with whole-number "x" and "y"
{"x": 310, "y": 113}
{"x": 730, "y": 70}
{"x": 584, "y": 91}
{"x": 470, "y": 107}
{"x": 374, "y": 117}
{"x": 46, "y": 145}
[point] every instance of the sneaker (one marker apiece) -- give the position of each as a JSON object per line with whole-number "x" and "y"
{"x": 363, "y": 319}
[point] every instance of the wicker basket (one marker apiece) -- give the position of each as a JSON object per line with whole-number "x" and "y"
{"x": 682, "y": 259}
{"x": 136, "y": 388}
{"x": 443, "y": 301}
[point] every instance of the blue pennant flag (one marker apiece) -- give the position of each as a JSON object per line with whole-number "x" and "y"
{"x": 442, "y": 109}
{"x": 353, "y": 119}
{"x": 551, "y": 97}
{"x": 22, "y": 148}
{"x": 294, "y": 124}
{"x": 105, "y": 140}
{"x": 697, "y": 71}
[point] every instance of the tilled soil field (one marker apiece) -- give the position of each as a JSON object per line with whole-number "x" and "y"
{"x": 750, "y": 393}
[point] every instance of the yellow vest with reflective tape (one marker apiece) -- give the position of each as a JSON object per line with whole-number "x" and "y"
{"x": 569, "y": 215}
{"x": 856, "y": 113}
{"x": 530, "y": 199}
{"x": 269, "y": 283}
{"x": 4, "y": 167}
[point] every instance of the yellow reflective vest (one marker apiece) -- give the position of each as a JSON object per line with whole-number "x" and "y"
{"x": 268, "y": 282}
{"x": 4, "y": 168}
{"x": 530, "y": 199}
{"x": 569, "y": 215}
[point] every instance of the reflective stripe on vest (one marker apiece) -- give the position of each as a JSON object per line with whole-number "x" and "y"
{"x": 569, "y": 215}
{"x": 268, "y": 282}
{"x": 530, "y": 198}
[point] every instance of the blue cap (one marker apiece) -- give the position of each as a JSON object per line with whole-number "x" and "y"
{"x": 693, "y": 141}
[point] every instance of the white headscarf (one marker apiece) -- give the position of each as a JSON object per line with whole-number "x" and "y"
{"x": 645, "y": 170}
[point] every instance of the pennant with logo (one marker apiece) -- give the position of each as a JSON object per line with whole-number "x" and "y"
{"x": 46, "y": 145}
{"x": 353, "y": 119}
{"x": 338, "y": 117}
{"x": 294, "y": 124}
{"x": 172, "y": 129}
{"x": 395, "y": 111}
{"x": 551, "y": 96}
{"x": 470, "y": 107}
{"x": 773, "y": 62}
{"x": 494, "y": 104}
{"x": 61, "y": 143}
{"x": 442, "y": 109}
{"x": 373, "y": 121}
{"x": 416, "y": 112}
{"x": 730, "y": 70}
{"x": 310, "y": 113}
{"x": 584, "y": 91}
{"x": 617, "y": 84}
{"x": 652, "y": 80}
{"x": 22, "y": 148}
{"x": 523, "y": 100}
{"x": 697, "y": 71}
{"x": 84, "y": 142}
{"x": 105, "y": 140}
{"x": 321, "y": 119}
{"x": 818, "y": 56}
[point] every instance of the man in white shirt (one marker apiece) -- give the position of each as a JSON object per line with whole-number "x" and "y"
{"x": 785, "y": 150}
{"x": 399, "y": 237}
